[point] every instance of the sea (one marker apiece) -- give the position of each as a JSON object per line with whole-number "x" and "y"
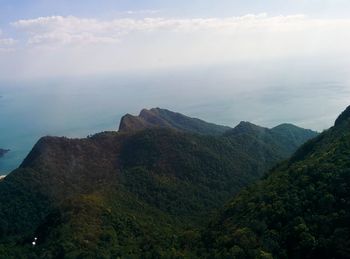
{"x": 78, "y": 107}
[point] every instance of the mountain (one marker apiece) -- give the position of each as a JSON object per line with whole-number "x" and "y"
{"x": 289, "y": 132}
{"x": 295, "y": 136}
{"x": 163, "y": 118}
{"x": 127, "y": 194}
{"x": 3, "y": 152}
{"x": 301, "y": 209}
{"x": 264, "y": 143}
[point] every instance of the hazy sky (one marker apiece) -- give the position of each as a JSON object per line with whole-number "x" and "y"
{"x": 60, "y": 38}
{"x": 269, "y": 51}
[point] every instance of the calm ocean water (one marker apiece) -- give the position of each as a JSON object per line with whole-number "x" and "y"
{"x": 29, "y": 112}
{"x": 72, "y": 108}
{"x": 77, "y": 108}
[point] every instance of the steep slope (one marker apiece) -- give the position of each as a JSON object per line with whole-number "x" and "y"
{"x": 157, "y": 117}
{"x": 124, "y": 194}
{"x": 301, "y": 209}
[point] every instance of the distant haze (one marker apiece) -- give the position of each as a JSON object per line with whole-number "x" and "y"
{"x": 78, "y": 107}
{"x": 75, "y": 67}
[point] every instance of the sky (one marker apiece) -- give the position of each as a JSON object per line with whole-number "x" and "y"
{"x": 71, "y": 38}
{"x": 272, "y": 51}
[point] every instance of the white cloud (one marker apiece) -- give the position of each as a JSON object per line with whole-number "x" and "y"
{"x": 58, "y": 45}
{"x": 69, "y": 30}
{"x": 6, "y": 44}
{"x": 77, "y": 30}
{"x": 66, "y": 30}
{"x": 143, "y": 12}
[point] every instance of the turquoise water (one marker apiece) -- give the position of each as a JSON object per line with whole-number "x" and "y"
{"x": 74, "y": 108}
{"x": 30, "y": 112}
{"x": 77, "y": 108}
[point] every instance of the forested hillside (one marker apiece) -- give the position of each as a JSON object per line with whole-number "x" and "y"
{"x": 300, "y": 210}
{"x": 120, "y": 194}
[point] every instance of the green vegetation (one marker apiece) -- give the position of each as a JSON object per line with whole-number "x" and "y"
{"x": 163, "y": 118}
{"x": 300, "y": 210}
{"x": 143, "y": 193}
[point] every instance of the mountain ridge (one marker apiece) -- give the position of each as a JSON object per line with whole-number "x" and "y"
{"x": 157, "y": 117}
{"x": 128, "y": 192}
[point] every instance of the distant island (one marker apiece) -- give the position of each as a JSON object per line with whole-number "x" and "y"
{"x": 3, "y": 152}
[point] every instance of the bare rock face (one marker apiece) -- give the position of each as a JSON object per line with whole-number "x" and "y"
{"x": 129, "y": 123}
